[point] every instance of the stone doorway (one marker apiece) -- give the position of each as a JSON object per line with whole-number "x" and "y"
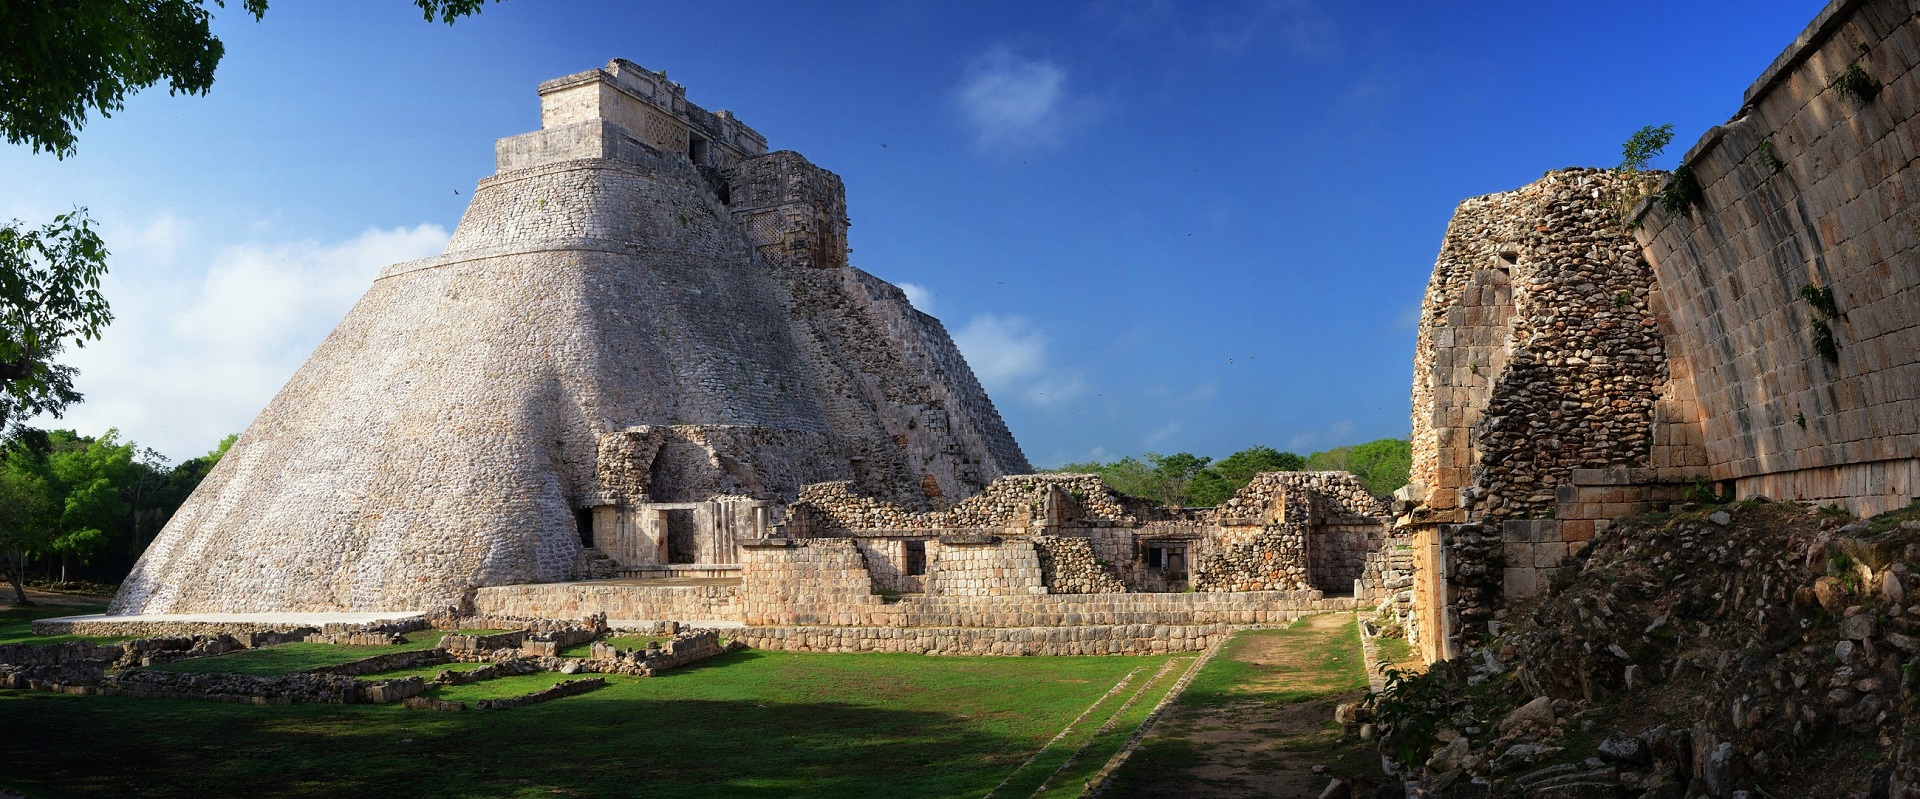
{"x": 682, "y": 534}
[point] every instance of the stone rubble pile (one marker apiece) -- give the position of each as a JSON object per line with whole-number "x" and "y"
{"x": 1716, "y": 652}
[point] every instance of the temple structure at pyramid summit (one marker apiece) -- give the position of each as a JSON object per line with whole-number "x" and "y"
{"x": 642, "y": 340}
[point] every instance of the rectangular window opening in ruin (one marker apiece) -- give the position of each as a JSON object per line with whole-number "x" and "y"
{"x": 916, "y": 558}
{"x": 1168, "y": 558}
{"x": 583, "y": 524}
{"x": 697, "y": 149}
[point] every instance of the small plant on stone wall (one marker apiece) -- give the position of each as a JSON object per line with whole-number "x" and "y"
{"x": 1855, "y": 84}
{"x": 1768, "y": 158}
{"x": 1620, "y": 300}
{"x": 1637, "y": 152}
{"x": 1800, "y": 418}
{"x": 1682, "y": 193}
{"x": 1704, "y": 492}
{"x": 1825, "y": 310}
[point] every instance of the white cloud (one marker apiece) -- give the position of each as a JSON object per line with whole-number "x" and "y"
{"x": 1017, "y": 103}
{"x": 203, "y": 336}
{"x": 920, "y": 296}
{"x": 1010, "y": 357}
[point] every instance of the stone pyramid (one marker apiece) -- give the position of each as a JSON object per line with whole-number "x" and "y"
{"x": 642, "y": 305}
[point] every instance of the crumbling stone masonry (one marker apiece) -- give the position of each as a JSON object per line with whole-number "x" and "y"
{"x": 1755, "y": 331}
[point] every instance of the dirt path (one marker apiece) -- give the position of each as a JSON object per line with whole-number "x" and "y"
{"x": 1258, "y": 720}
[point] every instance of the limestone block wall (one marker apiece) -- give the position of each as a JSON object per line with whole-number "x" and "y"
{"x": 1538, "y": 351}
{"x": 682, "y": 603}
{"x": 986, "y": 567}
{"x": 1807, "y": 186}
{"x": 807, "y": 581}
{"x": 887, "y": 563}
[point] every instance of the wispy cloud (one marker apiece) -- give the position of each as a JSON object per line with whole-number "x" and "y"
{"x": 1016, "y": 103}
{"x": 919, "y": 296}
{"x": 1010, "y": 357}
{"x": 203, "y": 334}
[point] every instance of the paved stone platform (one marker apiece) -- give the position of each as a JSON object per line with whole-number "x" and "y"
{"x": 155, "y": 624}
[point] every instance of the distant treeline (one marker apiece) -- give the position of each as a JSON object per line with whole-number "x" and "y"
{"x": 74, "y": 508}
{"x": 1186, "y": 479}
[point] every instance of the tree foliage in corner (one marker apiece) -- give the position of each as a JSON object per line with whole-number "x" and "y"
{"x": 63, "y": 59}
{"x": 74, "y": 507}
{"x": 49, "y": 297}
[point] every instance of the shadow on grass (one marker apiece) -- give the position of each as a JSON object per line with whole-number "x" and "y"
{"x": 160, "y": 748}
{"x": 16, "y": 623}
{"x": 746, "y": 724}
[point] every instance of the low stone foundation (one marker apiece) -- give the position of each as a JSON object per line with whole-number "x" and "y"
{"x": 225, "y": 624}
{"x": 1129, "y": 639}
{"x": 616, "y": 600}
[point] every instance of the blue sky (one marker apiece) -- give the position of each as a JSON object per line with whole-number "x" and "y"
{"x": 1151, "y": 225}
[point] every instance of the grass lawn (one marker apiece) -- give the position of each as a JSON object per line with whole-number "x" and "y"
{"x": 745, "y": 724}
{"x": 16, "y": 624}
{"x": 1258, "y": 717}
{"x": 290, "y": 658}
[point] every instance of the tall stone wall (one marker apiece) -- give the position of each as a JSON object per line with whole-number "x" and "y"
{"x": 602, "y": 283}
{"x": 1808, "y": 185}
{"x": 1539, "y": 350}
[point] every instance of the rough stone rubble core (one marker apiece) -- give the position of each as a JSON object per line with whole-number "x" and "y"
{"x": 644, "y": 327}
{"x": 1570, "y": 370}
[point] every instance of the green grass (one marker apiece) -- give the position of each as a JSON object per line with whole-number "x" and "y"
{"x": 1393, "y": 650}
{"x": 423, "y": 672}
{"x": 1104, "y": 736}
{"x": 502, "y": 687}
{"x": 1280, "y": 685}
{"x": 1332, "y": 666}
{"x": 745, "y": 724}
{"x": 16, "y": 624}
{"x": 291, "y": 658}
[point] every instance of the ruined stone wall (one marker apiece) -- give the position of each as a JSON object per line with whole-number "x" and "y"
{"x": 1538, "y": 351}
{"x": 443, "y": 435}
{"x": 1291, "y": 530}
{"x": 1070, "y": 566}
{"x": 1808, "y": 185}
{"x": 1014, "y": 504}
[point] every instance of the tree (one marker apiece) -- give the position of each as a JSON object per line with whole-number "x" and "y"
{"x": 1383, "y": 465}
{"x": 1219, "y": 482}
{"x": 87, "y": 475}
{"x": 62, "y": 59}
{"x": 29, "y": 516}
{"x": 49, "y": 298}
